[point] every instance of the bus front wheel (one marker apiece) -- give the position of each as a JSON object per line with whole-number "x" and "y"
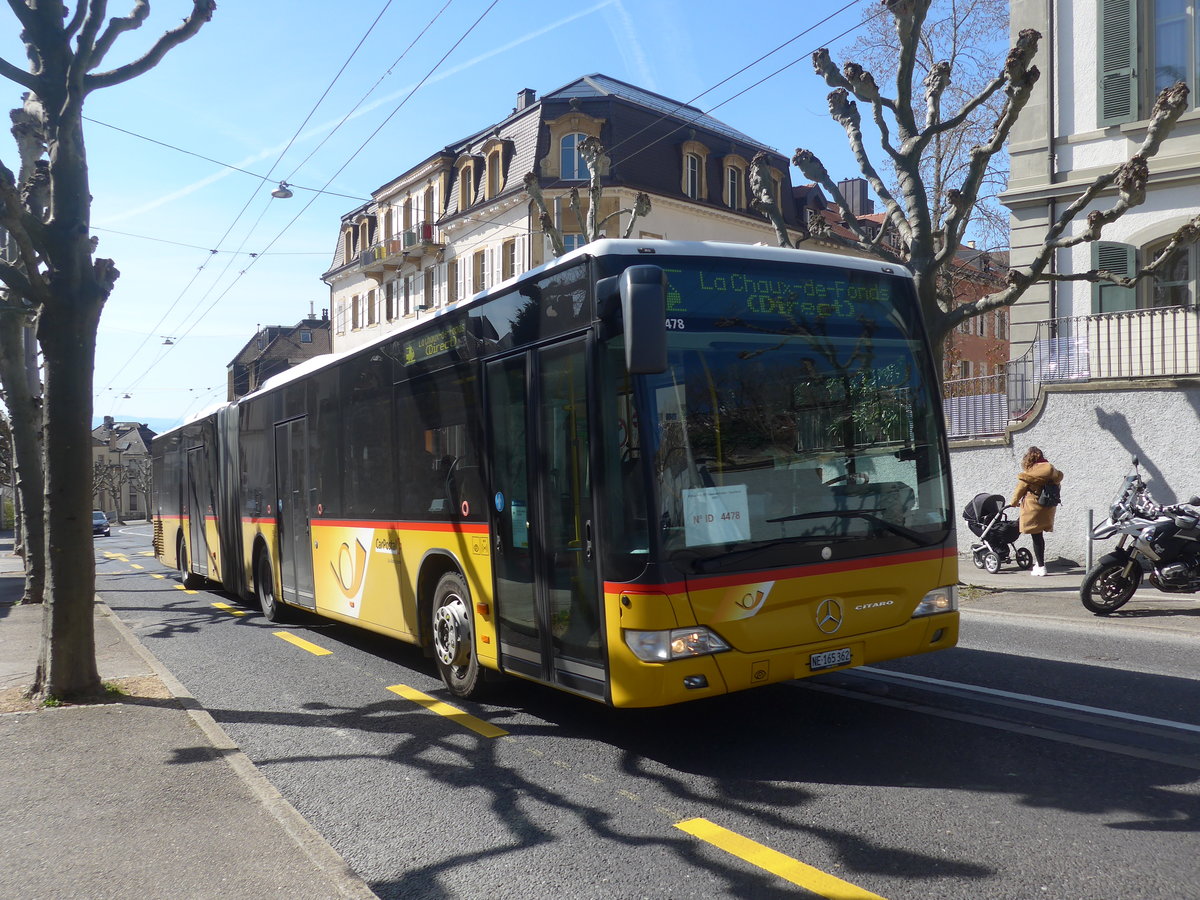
{"x": 454, "y": 638}
{"x": 264, "y": 587}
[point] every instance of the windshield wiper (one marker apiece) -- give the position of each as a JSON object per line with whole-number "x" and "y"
{"x": 702, "y": 565}
{"x": 917, "y": 539}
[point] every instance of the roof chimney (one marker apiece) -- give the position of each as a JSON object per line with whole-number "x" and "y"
{"x": 526, "y": 98}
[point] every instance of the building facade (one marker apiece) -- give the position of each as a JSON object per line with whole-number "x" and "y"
{"x": 462, "y": 220}
{"x": 275, "y": 349}
{"x": 121, "y": 469}
{"x": 1099, "y": 373}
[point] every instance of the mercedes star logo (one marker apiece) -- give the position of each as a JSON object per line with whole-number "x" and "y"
{"x": 829, "y": 615}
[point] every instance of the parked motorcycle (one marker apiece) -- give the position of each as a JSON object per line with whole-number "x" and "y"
{"x": 1163, "y": 541}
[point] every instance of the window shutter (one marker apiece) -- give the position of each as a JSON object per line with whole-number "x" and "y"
{"x": 1117, "y": 60}
{"x": 1120, "y": 259}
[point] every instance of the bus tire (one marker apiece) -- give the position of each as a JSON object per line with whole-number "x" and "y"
{"x": 264, "y": 589}
{"x": 187, "y": 577}
{"x": 454, "y": 638}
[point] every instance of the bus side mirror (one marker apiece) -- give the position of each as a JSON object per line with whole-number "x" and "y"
{"x": 644, "y": 317}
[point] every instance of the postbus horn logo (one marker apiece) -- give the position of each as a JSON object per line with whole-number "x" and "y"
{"x": 350, "y": 572}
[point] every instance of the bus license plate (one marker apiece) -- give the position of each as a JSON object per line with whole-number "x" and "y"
{"x": 829, "y": 659}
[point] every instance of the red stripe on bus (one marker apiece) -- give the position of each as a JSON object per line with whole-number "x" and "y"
{"x": 465, "y": 527}
{"x": 701, "y": 583}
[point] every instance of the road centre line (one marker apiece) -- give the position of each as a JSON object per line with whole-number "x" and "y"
{"x": 487, "y": 729}
{"x": 957, "y": 687}
{"x": 300, "y": 642}
{"x": 773, "y": 861}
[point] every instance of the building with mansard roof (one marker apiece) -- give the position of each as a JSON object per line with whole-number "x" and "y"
{"x": 462, "y": 220}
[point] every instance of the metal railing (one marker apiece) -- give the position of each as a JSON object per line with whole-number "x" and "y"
{"x": 1145, "y": 343}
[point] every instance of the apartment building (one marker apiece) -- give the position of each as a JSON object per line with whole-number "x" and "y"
{"x": 462, "y": 220}
{"x": 1101, "y": 373}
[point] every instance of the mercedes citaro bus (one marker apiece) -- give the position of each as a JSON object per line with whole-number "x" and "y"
{"x": 646, "y": 472}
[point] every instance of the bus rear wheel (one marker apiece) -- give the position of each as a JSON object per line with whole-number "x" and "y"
{"x": 264, "y": 587}
{"x": 186, "y": 577}
{"x": 454, "y": 638}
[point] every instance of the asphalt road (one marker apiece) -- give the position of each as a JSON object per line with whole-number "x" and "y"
{"x": 1043, "y": 757}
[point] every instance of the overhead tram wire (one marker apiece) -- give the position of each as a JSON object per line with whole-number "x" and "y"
{"x": 316, "y": 193}
{"x": 370, "y": 91}
{"x": 263, "y": 180}
{"x": 342, "y": 168}
{"x": 183, "y": 328}
{"x": 209, "y": 159}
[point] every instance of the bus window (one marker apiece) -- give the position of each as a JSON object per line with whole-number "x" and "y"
{"x": 626, "y": 530}
{"x": 437, "y": 457}
{"x": 369, "y": 484}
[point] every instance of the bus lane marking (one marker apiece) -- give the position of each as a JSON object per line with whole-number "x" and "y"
{"x": 136, "y": 566}
{"x": 156, "y": 575}
{"x": 808, "y": 877}
{"x": 180, "y": 587}
{"x": 487, "y": 729}
{"x": 225, "y": 607}
{"x": 300, "y": 642}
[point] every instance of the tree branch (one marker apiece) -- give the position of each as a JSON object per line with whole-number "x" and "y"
{"x": 763, "y": 199}
{"x": 1020, "y": 77}
{"x": 545, "y": 219}
{"x": 117, "y": 27}
{"x": 20, "y": 76}
{"x": 202, "y": 11}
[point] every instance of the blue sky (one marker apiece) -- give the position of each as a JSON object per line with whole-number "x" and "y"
{"x": 240, "y": 91}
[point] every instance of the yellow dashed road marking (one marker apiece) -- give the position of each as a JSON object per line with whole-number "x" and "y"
{"x": 775, "y": 862}
{"x": 232, "y": 610}
{"x": 302, "y": 643}
{"x": 136, "y": 566}
{"x": 487, "y": 729}
{"x": 157, "y": 576}
{"x": 180, "y": 587}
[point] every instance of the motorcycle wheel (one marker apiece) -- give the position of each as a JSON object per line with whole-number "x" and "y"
{"x": 1024, "y": 558}
{"x": 991, "y": 562}
{"x": 1106, "y": 589}
{"x": 977, "y": 558}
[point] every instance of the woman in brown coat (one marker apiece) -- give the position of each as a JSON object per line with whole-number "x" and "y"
{"x": 1036, "y": 519}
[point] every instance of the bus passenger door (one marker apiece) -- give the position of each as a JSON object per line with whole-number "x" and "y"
{"x": 197, "y": 509}
{"x": 295, "y": 536}
{"x": 547, "y": 599}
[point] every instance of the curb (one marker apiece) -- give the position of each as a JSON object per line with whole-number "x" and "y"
{"x": 308, "y": 839}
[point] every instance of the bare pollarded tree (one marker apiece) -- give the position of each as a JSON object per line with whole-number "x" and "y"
{"x": 908, "y": 126}
{"x": 591, "y": 226}
{"x": 55, "y": 276}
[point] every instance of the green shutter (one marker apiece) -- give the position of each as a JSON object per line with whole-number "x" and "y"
{"x": 1120, "y": 259}
{"x": 1117, "y": 60}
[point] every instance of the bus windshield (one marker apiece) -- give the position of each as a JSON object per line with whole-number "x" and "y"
{"x": 796, "y": 419}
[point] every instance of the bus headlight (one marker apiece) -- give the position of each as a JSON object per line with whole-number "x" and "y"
{"x": 943, "y": 599}
{"x": 678, "y": 643}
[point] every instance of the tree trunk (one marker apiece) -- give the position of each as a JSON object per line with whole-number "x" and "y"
{"x": 67, "y": 663}
{"x": 26, "y": 423}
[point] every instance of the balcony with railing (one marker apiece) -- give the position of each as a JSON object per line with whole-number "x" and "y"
{"x": 390, "y": 254}
{"x": 1162, "y": 342}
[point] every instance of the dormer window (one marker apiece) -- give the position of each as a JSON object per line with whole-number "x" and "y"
{"x": 571, "y": 161}
{"x": 466, "y": 183}
{"x": 694, "y": 183}
{"x": 734, "y": 189}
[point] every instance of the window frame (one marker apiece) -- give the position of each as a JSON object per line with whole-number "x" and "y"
{"x": 579, "y": 171}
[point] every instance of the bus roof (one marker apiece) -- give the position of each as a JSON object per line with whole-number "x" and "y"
{"x": 646, "y": 249}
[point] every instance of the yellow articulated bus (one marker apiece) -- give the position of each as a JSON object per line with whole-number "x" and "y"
{"x": 647, "y": 472}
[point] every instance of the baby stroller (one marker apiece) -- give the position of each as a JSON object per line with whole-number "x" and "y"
{"x": 986, "y": 518}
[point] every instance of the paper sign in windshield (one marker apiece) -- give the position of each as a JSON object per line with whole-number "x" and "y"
{"x": 716, "y": 515}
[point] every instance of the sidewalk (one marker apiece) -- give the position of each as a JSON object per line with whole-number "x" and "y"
{"x": 1014, "y": 591}
{"x": 144, "y": 797}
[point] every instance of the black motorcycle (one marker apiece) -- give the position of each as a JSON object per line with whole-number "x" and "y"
{"x": 1163, "y": 541}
